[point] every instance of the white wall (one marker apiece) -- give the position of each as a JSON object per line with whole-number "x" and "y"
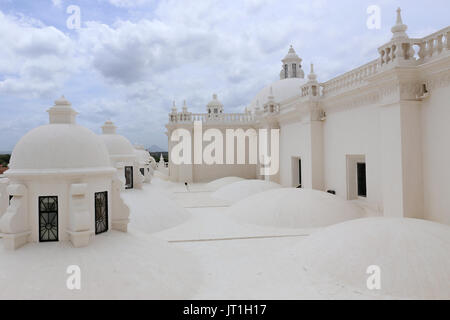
{"x": 353, "y": 132}
{"x": 294, "y": 143}
{"x": 436, "y": 155}
{"x": 60, "y": 188}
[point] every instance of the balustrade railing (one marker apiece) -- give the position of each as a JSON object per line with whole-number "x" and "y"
{"x": 205, "y": 117}
{"x": 416, "y": 51}
{"x": 351, "y": 79}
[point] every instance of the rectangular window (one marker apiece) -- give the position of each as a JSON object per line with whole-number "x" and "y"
{"x": 294, "y": 70}
{"x": 299, "y": 173}
{"x": 361, "y": 178}
{"x": 48, "y": 219}
{"x": 101, "y": 212}
{"x": 286, "y": 75}
{"x": 128, "y": 177}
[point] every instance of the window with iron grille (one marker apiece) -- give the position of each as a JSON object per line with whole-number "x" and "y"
{"x": 101, "y": 212}
{"x": 48, "y": 219}
{"x": 128, "y": 177}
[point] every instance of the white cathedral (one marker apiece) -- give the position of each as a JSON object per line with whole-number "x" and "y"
{"x": 377, "y": 134}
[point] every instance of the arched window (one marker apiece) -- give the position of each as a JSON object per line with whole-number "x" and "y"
{"x": 294, "y": 70}
{"x": 286, "y": 74}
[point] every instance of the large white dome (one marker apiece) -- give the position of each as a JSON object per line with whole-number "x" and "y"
{"x": 294, "y": 208}
{"x": 236, "y": 191}
{"x": 413, "y": 256}
{"x": 219, "y": 183}
{"x": 282, "y": 90}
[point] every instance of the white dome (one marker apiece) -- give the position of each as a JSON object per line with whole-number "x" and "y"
{"x": 118, "y": 145}
{"x": 242, "y": 189}
{"x": 143, "y": 156}
{"x": 282, "y": 90}
{"x": 413, "y": 256}
{"x": 294, "y": 208}
{"x": 152, "y": 210}
{"x": 215, "y": 102}
{"x": 59, "y": 146}
{"x": 219, "y": 183}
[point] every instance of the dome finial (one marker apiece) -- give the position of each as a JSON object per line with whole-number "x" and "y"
{"x": 109, "y": 127}
{"x": 62, "y": 112}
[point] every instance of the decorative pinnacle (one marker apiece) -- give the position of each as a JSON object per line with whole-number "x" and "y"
{"x": 399, "y": 16}
{"x": 312, "y": 76}
{"x": 399, "y": 30}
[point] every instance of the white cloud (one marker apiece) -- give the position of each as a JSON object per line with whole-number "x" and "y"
{"x": 132, "y": 69}
{"x": 35, "y": 60}
{"x": 129, "y": 3}
{"x": 57, "y": 3}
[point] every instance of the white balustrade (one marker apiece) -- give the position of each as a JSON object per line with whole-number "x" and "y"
{"x": 349, "y": 80}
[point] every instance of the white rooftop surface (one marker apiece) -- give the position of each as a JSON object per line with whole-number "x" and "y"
{"x": 209, "y": 256}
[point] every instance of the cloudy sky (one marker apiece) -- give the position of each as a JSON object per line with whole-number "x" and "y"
{"x": 131, "y": 58}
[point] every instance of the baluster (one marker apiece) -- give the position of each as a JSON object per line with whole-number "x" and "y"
{"x": 440, "y": 45}
{"x": 430, "y": 47}
{"x": 447, "y": 41}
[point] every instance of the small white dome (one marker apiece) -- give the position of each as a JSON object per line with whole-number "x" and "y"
{"x": 215, "y": 102}
{"x": 242, "y": 189}
{"x": 219, "y": 183}
{"x": 282, "y": 90}
{"x": 59, "y": 146}
{"x": 117, "y": 145}
{"x": 294, "y": 208}
{"x": 143, "y": 156}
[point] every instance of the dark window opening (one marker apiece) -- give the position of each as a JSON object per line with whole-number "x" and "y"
{"x": 142, "y": 170}
{"x": 361, "y": 178}
{"x": 10, "y": 198}
{"x": 286, "y": 75}
{"x": 101, "y": 212}
{"x": 299, "y": 173}
{"x": 294, "y": 70}
{"x": 48, "y": 219}
{"x": 128, "y": 177}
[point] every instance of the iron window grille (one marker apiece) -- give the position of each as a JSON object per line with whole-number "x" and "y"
{"x": 128, "y": 177}
{"x": 48, "y": 219}
{"x": 101, "y": 212}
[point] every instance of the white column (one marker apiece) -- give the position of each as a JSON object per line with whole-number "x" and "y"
{"x": 401, "y": 156}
